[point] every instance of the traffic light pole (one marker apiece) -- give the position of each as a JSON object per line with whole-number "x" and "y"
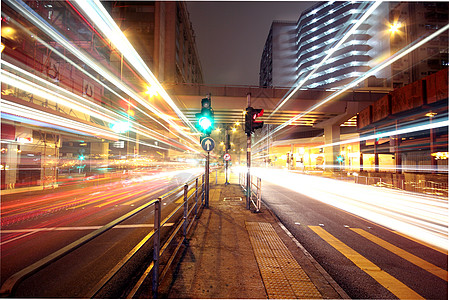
{"x": 226, "y": 151}
{"x": 248, "y": 161}
{"x": 206, "y": 177}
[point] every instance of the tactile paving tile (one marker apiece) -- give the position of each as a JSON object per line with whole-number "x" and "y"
{"x": 283, "y": 277}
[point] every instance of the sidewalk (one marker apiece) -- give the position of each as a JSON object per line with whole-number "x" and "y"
{"x": 235, "y": 253}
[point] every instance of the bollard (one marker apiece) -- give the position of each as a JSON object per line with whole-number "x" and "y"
{"x": 157, "y": 244}
{"x": 216, "y": 176}
{"x": 184, "y": 227}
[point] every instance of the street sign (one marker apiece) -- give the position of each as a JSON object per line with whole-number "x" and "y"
{"x": 227, "y": 156}
{"x": 208, "y": 144}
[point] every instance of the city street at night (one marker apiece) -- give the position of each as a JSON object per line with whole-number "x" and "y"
{"x": 224, "y": 149}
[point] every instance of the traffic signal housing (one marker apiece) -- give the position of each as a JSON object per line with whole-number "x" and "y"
{"x": 205, "y": 119}
{"x": 251, "y": 122}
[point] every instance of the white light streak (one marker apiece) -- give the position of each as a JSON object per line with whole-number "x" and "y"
{"x": 386, "y": 63}
{"x": 419, "y": 216}
{"x": 45, "y": 27}
{"x": 102, "y": 20}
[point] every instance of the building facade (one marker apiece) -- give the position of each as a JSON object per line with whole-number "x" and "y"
{"x": 278, "y": 63}
{"x": 391, "y": 27}
{"x": 415, "y": 20}
{"x": 162, "y": 34}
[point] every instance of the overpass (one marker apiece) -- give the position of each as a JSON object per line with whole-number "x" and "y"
{"x": 229, "y": 102}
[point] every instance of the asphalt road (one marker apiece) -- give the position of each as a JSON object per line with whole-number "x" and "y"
{"x": 368, "y": 260}
{"x": 37, "y": 226}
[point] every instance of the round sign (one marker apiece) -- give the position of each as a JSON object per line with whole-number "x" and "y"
{"x": 227, "y": 156}
{"x": 208, "y": 144}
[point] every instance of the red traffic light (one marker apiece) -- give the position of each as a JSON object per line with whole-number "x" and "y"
{"x": 257, "y": 113}
{"x": 250, "y": 119}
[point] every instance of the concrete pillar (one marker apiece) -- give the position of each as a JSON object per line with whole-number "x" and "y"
{"x": 98, "y": 149}
{"x": 11, "y": 162}
{"x": 331, "y": 135}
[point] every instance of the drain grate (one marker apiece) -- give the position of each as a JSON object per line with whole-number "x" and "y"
{"x": 282, "y": 275}
{"x": 232, "y": 199}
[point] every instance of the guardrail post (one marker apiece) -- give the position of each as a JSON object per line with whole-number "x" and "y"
{"x": 157, "y": 245}
{"x": 202, "y": 190}
{"x": 259, "y": 194}
{"x": 184, "y": 226}
{"x": 196, "y": 197}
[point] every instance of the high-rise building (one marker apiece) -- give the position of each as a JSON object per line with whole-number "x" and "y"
{"x": 322, "y": 26}
{"x": 162, "y": 34}
{"x": 278, "y": 63}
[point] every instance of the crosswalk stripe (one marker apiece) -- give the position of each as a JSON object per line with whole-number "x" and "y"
{"x": 392, "y": 284}
{"x": 404, "y": 254}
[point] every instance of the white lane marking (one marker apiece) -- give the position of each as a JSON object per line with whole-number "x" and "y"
{"x": 30, "y": 231}
{"x": 20, "y": 236}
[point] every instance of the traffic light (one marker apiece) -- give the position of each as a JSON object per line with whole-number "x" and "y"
{"x": 250, "y": 119}
{"x": 205, "y": 117}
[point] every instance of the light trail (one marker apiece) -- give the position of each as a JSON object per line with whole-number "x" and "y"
{"x": 53, "y": 92}
{"x": 40, "y": 23}
{"x": 65, "y": 124}
{"x": 79, "y": 68}
{"x": 422, "y": 217}
{"x": 382, "y": 134}
{"x": 122, "y": 191}
{"x": 101, "y": 18}
{"x": 381, "y": 66}
{"x": 329, "y": 54}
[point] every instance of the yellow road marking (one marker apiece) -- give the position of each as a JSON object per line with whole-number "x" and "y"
{"x": 395, "y": 286}
{"x": 421, "y": 242}
{"x": 404, "y": 254}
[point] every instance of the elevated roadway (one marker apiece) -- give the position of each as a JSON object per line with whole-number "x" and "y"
{"x": 229, "y": 102}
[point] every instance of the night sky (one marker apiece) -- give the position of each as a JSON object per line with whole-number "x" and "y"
{"x": 230, "y": 36}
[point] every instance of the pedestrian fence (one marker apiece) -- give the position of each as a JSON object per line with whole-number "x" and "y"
{"x": 192, "y": 194}
{"x": 255, "y": 189}
{"x": 421, "y": 186}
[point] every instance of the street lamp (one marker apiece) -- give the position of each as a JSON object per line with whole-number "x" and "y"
{"x": 151, "y": 91}
{"x": 395, "y": 27}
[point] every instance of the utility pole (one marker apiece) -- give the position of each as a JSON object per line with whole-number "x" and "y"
{"x": 251, "y": 124}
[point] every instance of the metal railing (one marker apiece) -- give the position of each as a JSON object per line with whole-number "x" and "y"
{"x": 421, "y": 186}
{"x": 256, "y": 190}
{"x": 185, "y": 225}
{"x": 188, "y": 216}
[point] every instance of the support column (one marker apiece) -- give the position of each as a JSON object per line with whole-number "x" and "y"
{"x": 99, "y": 149}
{"x": 331, "y": 135}
{"x": 11, "y": 166}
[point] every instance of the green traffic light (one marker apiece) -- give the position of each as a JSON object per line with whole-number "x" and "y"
{"x": 205, "y": 123}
